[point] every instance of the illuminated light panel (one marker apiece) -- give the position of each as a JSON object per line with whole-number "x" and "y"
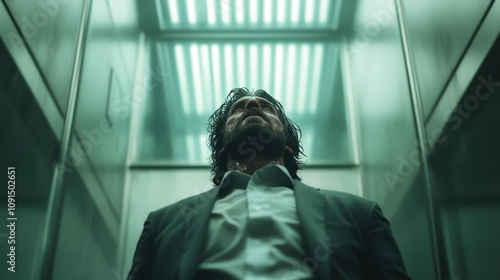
{"x": 239, "y": 12}
{"x": 181, "y": 70}
{"x": 216, "y": 74}
{"x": 291, "y": 79}
{"x": 324, "y": 6}
{"x": 281, "y": 69}
{"x": 174, "y": 11}
{"x": 303, "y": 89}
{"x": 268, "y": 11}
{"x": 253, "y": 66}
{"x": 295, "y": 11}
{"x": 266, "y": 67}
{"x": 191, "y": 11}
{"x": 240, "y": 61}
{"x": 222, "y": 10}
{"x": 211, "y": 12}
{"x": 278, "y": 74}
{"x": 280, "y": 11}
{"x": 207, "y": 77}
{"x": 254, "y": 11}
{"x": 309, "y": 16}
{"x": 316, "y": 78}
{"x": 247, "y": 13}
{"x": 195, "y": 64}
{"x": 228, "y": 56}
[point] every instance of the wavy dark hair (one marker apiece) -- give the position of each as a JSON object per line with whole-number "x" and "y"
{"x": 217, "y": 122}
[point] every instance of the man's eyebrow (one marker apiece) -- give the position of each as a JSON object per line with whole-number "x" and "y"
{"x": 260, "y": 100}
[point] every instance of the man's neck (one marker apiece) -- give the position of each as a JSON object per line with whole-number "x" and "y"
{"x": 249, "y": 167}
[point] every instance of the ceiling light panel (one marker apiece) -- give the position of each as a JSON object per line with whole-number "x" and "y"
{"x": 244, "y": 14}
{"x": 294, "y": 73}
{"x": 303, "y": 76}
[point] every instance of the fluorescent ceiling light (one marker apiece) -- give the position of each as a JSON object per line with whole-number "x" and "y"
{"x": 240, "y": 62}
{"x": 303, "y": 89}
{"x": 309, "y": 11}
{"x": 254, "y": 11}
{"x": 195, "y": 65}
{"x": 316, "y": 78}
{"x": 280, "y": 11}
{"x": 250, "y": 13}
{"x": 191, "y": 10}
{"x": 253, "y": 66}
{"x": 211, "y": 15}
{"x": 278, "y": 73}
{"x": 228, "y": 56}
{"x": 216, "y": 74}
{"x": 239, "y": 13}
{"x": 291, "y": 78}
{"x": 266, "y": 67}
{"x": 174, "y": 11}
{"x": 207, "y": 78}
{"x": 324, "y": 9}
{"x": 268, "y": 11}
{"x": 181, "y": 70}
{"x": 295, "y": 11}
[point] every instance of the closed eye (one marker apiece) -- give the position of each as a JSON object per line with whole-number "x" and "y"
{"x": 238, "y": 110}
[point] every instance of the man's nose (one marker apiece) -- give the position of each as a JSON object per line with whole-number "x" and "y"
{"x": 252, "y": 103}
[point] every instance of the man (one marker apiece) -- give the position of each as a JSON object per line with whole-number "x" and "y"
{"x": 260, "y": 221}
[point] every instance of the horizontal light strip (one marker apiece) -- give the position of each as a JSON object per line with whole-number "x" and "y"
{"x": 248, "y": 35}
{"x": 261, "y": 13}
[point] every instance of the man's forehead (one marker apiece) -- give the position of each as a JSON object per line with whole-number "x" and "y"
{"x": 245, "y": 98}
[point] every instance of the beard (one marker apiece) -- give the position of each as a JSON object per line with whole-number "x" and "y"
{"x": 254, "y": 139}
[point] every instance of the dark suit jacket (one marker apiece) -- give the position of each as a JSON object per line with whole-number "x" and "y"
{"x": 346, "y": 237}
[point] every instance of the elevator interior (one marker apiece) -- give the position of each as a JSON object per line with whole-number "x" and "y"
{"x": 104, "y": 103}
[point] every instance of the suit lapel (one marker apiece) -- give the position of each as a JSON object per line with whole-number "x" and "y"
{"x": 196, "y": 231}
{"x": 311, "y": 213}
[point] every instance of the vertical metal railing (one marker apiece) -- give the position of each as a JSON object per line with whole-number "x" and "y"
{"x": 436, "y": 235}
{"x": 56, "y": 199}
{"x": 142, "y": 63}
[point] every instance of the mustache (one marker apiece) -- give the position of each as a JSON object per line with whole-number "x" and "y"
{"x": 254, "y": 112}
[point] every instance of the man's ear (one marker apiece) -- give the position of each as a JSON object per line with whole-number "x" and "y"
{"x": 288, "y": 150}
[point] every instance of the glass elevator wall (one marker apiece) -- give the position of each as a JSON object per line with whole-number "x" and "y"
{"x": 426, "y": 86}
{"x": 67, "y": 75}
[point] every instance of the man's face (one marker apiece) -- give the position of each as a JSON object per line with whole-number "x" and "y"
{"x": 253, "y": 122}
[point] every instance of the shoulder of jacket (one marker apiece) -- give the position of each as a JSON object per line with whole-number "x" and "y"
{"x": 191, "y": 201}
